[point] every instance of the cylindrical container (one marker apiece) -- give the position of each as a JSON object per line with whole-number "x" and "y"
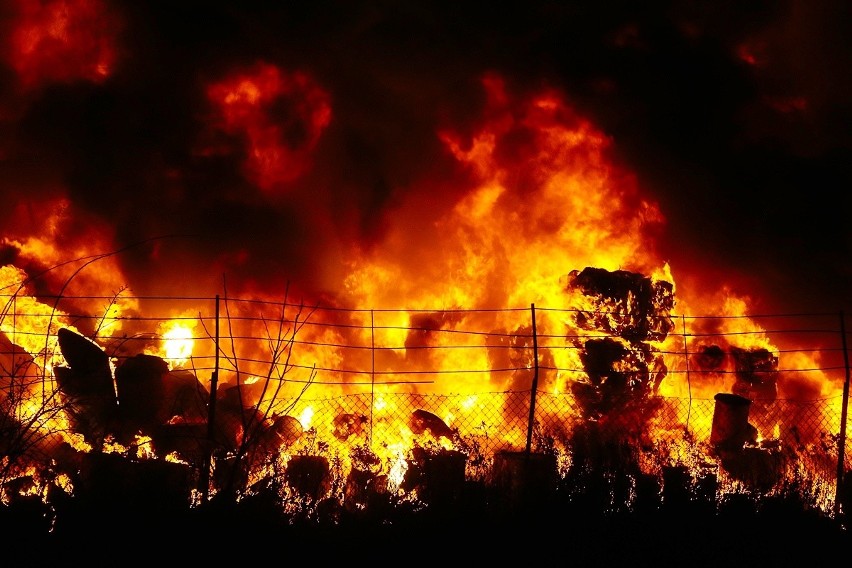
{"x": 730, "y": 427}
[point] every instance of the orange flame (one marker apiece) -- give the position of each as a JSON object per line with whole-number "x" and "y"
{"x": 279, "y": 147}
{"x": 543, "y": 200}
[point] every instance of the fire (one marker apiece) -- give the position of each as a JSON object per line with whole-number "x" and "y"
{"x": 178, "y": 342}
{"x": 278, "y": 151}
{"x": 306, "y": 416}
{"x": 35, "y": 331}
{"x": 543, "y": 265}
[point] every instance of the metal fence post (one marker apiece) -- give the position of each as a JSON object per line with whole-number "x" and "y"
{"x": 841, "y": 438}
{"x": 372, "y": 372}
{"x": 534, "y": 388}
{"x": 211, "y": 417}
{"x": 686, "y": 360}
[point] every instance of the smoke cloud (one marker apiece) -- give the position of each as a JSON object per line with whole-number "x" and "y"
{"x": 270, "y": 143}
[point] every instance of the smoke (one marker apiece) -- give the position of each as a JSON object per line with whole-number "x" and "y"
{"x": 728, "y": 116}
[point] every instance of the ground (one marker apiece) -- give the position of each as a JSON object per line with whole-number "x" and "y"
{"x": 456, "y": 534}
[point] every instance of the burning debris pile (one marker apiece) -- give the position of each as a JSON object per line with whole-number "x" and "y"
{"x": 750, "y": 453}
{"x": 519, "y": 187}
{"x": 630, "y": 315}
{"x": 623, "y": 369}
{"x": 162, "y": 411}
{"x": 142, "y": 397}
{"x": 138, "y": 408}
{"x": 151, "y": 413}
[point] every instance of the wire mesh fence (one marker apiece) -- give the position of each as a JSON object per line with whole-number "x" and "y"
{"x": 237, "y": 394}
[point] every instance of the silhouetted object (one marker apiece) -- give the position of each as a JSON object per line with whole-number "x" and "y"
{"x": 112, "y": 486}
{"x": 287, "y": 430}
{"x": 619, "y": 376}
{"x": 348, "y": 424}
{"x": 141, "y": 394}
{"x": 730, "y": 429}
{"x": 622, "y": 369}
{"x": 757, "y": 374}
{"x": 89, "y": 365}
{"x": 444, "y": 478}
{"x": 185, "y": 398}
{"x": 523, "y": 481}
{"x": 627, "y": 304}
{"x": 758, "y": 468}
{"x": 186, "y": 439}
{"x": 676, "y": 488}
{"x": 310, "y": 476}
{"x": 423, "y": 421}
{"x": 845, "y": 495}
{"x": 365, "y": 490}
{"x": 437, "y": 476}
{"x": 240, "y": 422}
{"x": 735, "y": 441}
{"x": 86, "y": 386}
{"x": 169, "y": 406}
{"x": 709, "y": 358}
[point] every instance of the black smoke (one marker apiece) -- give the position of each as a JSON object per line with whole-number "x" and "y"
{"x": 731, "y": 114}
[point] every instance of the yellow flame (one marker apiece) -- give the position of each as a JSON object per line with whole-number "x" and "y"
{"x": 306, "y": 416}
{"x": 178, "y": 343}
{"x": 144, "y": 447}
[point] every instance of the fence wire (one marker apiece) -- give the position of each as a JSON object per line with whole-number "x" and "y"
{"x": 229, "y": 395}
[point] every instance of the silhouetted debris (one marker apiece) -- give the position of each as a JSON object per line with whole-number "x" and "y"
{"x": 287, "y": 430}
{"x": 189, "y": 440}
{"x": 758, "y": 468}
{"x": 618, "y": 375}
{"x": 676, "y": 488}
{"x": 437, "y": 476}
{"x": 237, "y": 417}
{"x": 114, "y": 486}
{"x": 709, "y": 358}
{"x": 310, "y": 476}
{"x": 523, "y": 481}
{"x": 444, "y": 477}
{"x": 364, "y": 491}
{"x": 239, "y": 421}
{"x": 622, "y": 370}
{"x": 734, "y": 440}
{"x": 424, "y": 421}
{"x": 730, "y": 429}
{"x": 756, "y": 373}
{"x": 185, "y": 397}
{"x": 140, "y": 381}
{"x": 347, "y": 425}
{"x": 86, "y": 387}
{"x": 627, "y": 304}
{"x": 88, "y": 372}
{"x": 146, "y": 398}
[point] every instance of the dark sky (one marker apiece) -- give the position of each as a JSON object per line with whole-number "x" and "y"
{"x": 734, "y": 116}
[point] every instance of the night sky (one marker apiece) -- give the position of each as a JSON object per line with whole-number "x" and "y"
{"x": 734, "y": 116}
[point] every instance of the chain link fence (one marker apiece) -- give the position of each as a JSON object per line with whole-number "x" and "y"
{"x": 312, "y": 404}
